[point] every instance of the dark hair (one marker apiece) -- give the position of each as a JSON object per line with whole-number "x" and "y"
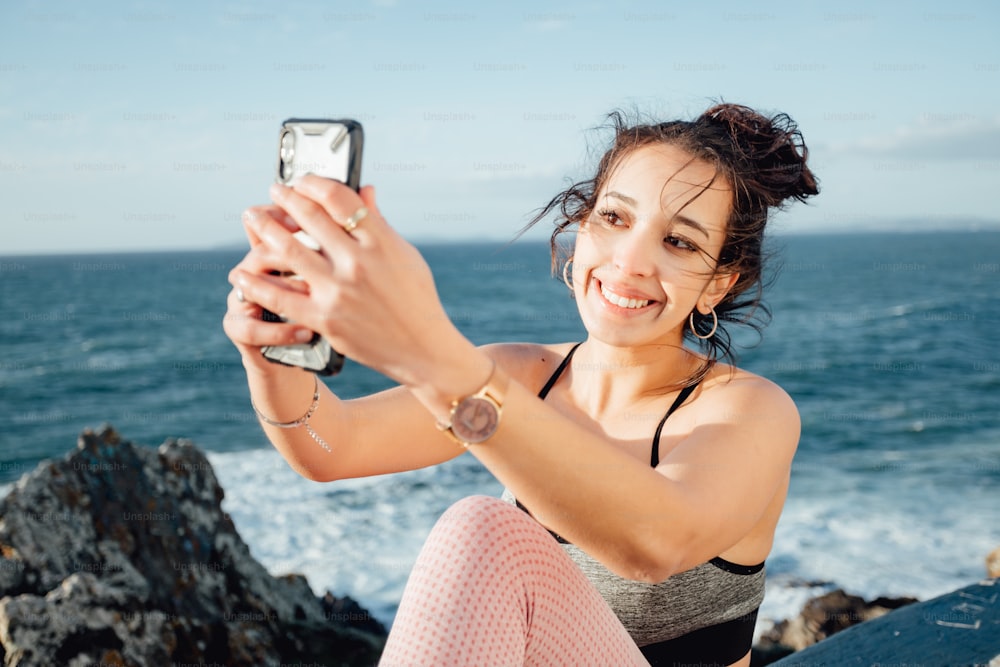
{"x": 763, "y": 159}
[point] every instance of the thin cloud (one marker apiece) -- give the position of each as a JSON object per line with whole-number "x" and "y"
{"x": 936, "y": 137}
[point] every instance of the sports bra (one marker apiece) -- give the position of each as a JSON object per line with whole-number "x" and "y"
{"x": 705, "y": 615}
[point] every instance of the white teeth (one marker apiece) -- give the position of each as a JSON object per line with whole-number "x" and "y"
{"x": 621, "y": 301}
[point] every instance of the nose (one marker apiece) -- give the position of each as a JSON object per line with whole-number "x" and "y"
{"x": 634, "y": 252}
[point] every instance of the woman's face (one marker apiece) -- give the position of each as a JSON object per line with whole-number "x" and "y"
{"x": 646, "y": 256}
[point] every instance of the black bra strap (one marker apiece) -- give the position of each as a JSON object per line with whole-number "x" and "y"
{"x": 654, "y": 456}
{"x": 559, "y": 371}
{"x": 735, "y": 568}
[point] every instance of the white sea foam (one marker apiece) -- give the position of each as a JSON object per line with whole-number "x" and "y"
{"x": 361, "y": 537}
{"x": 356, "y": 537}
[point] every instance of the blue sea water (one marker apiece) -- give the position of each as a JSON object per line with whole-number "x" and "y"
{"x": 885, "y": 341}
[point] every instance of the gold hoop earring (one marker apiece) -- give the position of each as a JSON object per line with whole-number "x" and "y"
{"x": 566, "y": 278}
{"x": 715, "y": 325}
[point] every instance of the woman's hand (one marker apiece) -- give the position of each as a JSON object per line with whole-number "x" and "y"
{"x": 368, "y": 291}
{"x": 243, "y": 322}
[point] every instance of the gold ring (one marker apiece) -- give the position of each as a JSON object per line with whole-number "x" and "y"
{"x": 352, "y": 222}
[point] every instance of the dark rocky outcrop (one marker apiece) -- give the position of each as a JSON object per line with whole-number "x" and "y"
{"x": 121, "y": 555}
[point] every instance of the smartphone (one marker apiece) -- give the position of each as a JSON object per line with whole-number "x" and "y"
{"x": 332, "y": 149}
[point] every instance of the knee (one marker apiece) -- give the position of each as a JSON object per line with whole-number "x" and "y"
{"x": 486, "y": 539}
{"x": 478, "y": 510}
{"x": 475, "y": 517}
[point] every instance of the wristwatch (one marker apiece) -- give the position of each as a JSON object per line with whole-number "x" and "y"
{"x": 476, "y": 417}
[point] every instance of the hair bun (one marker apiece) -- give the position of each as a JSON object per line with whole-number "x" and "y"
{"x": 771, "y": 150}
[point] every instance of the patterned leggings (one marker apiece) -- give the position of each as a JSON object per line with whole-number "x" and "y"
{"x": 491, "y": 588}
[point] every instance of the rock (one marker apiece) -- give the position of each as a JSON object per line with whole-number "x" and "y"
{"x": 820, "y": 618}
{"x": 958, "y": 628}
{"x": 993, "y": 564}
{"x": 121, "y": 555}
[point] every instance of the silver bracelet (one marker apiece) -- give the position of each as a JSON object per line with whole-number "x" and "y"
{"x": 301, "y": 421}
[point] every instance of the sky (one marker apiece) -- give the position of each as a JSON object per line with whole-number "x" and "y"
{"x": 152, "y": 126}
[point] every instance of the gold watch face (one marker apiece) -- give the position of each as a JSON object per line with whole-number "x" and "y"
{"x": 475, "y": 419}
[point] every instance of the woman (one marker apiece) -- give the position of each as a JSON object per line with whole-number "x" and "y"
{"x": 635, "y": 538}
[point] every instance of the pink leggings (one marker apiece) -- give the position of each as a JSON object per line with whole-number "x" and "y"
{"x": 493, "y": 588}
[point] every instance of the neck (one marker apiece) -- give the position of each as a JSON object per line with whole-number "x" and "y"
{"x": 617, "y": 378}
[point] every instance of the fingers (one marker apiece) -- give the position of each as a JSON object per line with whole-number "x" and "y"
{"x": 275, "y": 248}
{"x": 268, "y": 210}
{"x": 316, "y": 201}
{"x": 285, "y": 297}
{"x": 243, "y": 324}
{"x": 322, "y": 208}
{"x": 367, "y": 194}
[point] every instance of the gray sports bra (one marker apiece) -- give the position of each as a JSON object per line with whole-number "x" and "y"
{"x": 704, "y": 615}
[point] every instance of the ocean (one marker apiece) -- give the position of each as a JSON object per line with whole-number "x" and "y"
{"x": 885, "y": 341}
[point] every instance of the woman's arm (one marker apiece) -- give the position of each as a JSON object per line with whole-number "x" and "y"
{"x": 706, "y": 495}
{"x": 382, "y": 433}
{"x": 373, "y": 297}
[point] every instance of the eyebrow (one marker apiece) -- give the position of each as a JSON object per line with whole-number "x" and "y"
{"x": 680, "y": 217}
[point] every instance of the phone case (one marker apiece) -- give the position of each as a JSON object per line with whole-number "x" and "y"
{"x": 332, "y": 149}
{"x": 329, "y": 148}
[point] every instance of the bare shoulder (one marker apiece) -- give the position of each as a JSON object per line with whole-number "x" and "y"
{"x": 735, "y": 396}
{"x": 528, "y": 363}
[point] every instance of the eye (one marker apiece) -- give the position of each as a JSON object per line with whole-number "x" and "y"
{"x": 680, "y": 243}
{"x": 609, "y": 216}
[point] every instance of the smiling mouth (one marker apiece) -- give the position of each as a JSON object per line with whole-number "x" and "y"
{"x": 622, "y": 301}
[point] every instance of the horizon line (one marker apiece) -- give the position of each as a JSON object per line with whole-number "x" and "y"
{"x": 973, "y": 227}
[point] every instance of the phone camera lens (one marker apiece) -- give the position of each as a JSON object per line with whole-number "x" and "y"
{"x": 286, "y": 155}
{"x": 287, "y": 146}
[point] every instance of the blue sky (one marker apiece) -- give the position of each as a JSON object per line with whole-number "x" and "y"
{"x": 143, "y": 126}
